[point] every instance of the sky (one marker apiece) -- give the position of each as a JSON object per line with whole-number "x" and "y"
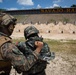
{"x": 34, "y": 4}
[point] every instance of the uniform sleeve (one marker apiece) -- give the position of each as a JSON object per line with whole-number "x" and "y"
{"x": 26, "y": 50}
{"x": 46, "y": 53}
{"x": 10, "y": 52}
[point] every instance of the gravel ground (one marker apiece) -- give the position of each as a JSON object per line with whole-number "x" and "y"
{"x": 63, "y": 64}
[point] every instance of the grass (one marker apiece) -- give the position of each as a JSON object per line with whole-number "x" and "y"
{"x": 67, "y": 46}
{"x": 19, "y": 39}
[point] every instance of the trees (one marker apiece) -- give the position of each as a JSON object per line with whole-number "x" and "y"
{"x": 73, "y": 6}
{"x": 2, "y": 10}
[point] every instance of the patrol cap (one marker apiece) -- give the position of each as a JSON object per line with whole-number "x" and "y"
{"x": 30, "y": 30}
{"x": 6, "y": 19}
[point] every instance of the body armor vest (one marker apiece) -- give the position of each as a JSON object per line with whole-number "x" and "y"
{"x": 5, "y": 65}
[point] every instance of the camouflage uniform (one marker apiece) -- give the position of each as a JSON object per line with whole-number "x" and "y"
{"x": 9, "y": 53}
{"x": 27, "y": 47}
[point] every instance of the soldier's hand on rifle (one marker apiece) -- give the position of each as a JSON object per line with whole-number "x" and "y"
{"x": 39, "y": 46}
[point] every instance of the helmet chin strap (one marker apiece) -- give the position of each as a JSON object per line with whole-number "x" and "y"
{"x": 9, "y": 32}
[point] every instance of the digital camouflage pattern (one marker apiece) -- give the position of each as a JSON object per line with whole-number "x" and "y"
{"x": 29, "y": 31}
{"x": 45, "y": 55}
{"x": 5, "y": 65}
{"x": 9, "y": 53}
{"x": 27, "y": 48}
{"x": 6, "y": 19}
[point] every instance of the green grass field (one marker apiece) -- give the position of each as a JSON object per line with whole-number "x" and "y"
{"x": 66, "y": 46}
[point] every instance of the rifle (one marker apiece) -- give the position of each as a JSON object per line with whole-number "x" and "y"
{"x": 45, "y": 54}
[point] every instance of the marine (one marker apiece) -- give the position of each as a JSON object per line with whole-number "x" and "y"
{"x": 10, "y": 55}
{"x": 27, "y": 47}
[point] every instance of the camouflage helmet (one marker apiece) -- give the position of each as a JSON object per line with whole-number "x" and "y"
{"x": 30, "y": 30}
{"x": 6, "y": 19}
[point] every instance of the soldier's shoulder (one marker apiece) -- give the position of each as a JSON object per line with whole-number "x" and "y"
{"x": 4, "y": 39}
{"x": 21, "y": 43}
